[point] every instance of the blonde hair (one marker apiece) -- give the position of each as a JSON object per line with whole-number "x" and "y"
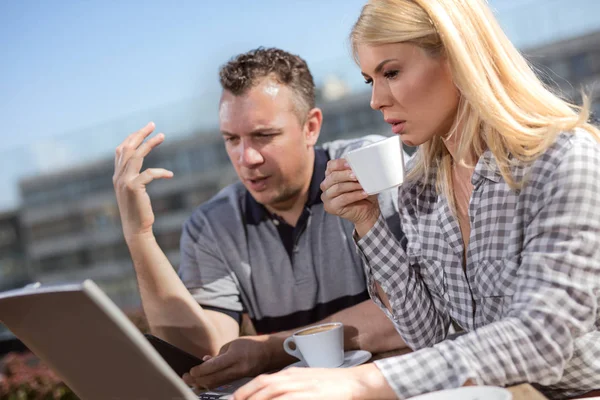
{"x": 503, "y": 107}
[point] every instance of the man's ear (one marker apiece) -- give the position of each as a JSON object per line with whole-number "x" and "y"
{"x": 312, "y": 126}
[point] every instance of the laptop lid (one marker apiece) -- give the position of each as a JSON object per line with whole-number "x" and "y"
{"x": 87, "y": 340}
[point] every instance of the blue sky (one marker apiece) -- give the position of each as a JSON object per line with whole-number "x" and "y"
{"x": 74, "y": 69}
{"x": 72, "y": 64}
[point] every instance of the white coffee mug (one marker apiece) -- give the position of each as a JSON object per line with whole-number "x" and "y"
{"x": 319, "y": 346}
{"x": 378, "y": 166}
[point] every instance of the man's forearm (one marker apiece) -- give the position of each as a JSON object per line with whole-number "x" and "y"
{"x": 172, "y": 312}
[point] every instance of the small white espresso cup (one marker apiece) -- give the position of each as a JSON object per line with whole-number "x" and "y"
{"x": 378, "y": 166}
{"x": 319, "y": 346}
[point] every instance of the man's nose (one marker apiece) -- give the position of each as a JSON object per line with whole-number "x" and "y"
{"x": 249, "y": 155}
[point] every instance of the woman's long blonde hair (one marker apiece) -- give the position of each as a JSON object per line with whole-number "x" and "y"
{"x": 504, "y": 107}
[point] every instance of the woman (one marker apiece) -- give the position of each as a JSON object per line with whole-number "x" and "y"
{"x": 500, "y": 213}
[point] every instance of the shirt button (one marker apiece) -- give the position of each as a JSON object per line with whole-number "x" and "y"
{"x": 276, "y": 222}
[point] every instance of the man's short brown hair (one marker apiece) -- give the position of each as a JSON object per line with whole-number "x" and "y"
{"x": 246, "y": 70}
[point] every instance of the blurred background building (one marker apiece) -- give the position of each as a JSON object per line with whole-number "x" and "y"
{"x": 571, "y": 66}
{"x": 63, "y": 224}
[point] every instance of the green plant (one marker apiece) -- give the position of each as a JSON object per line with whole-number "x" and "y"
{"x": 24, "y": 377}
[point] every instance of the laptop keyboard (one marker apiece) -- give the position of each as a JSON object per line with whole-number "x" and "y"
{"x": 213, "y": 396}
{"x": 225, "y": 390}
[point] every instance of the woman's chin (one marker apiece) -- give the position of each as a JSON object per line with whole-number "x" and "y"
{"x": 409, "y": 142}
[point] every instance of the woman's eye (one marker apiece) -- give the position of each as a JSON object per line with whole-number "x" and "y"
{"x": 369, "y": 82}
{"x": 391, "y": 74}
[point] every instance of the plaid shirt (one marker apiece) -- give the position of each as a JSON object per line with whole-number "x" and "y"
{"x": 529, "y": 297}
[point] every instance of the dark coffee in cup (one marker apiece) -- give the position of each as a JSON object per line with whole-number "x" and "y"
{"x": 316, "y": 329}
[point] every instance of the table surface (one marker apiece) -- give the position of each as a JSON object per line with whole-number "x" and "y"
{"x": 523, "y": 391}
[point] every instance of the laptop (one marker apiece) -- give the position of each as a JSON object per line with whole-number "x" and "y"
{"x": 91, "y": 344}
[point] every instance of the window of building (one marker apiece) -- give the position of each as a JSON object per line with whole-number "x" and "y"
{"x": 12, "y": 265}
{"x": 168, "y": 204}
{"x": 557, "y": 70}
{"x": 100, "y": 183}
{"x": 194, "y": 198}
{"x": 8, "y": 236}
{"x": 102, "y": 218}
{"x": 63, "y": 262}
{"x": 180, "y": 163}
{"x": 64, "y": 226}
{"x": 109, "y": 252}
{"x": 327, "y": 129}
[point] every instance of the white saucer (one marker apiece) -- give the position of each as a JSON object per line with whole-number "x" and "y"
{"x": 468, "y": 393}
{"x": 351, "y": 359}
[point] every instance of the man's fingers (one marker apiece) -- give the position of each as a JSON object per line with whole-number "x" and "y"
{"x": 136, "y": 160}
{"x": 136, "y": 138}
{"x": 187, "y": 378}
{"x": 212, "y": 366}
{"x": 217, "y": 379}
{"x": 145, "y": 148}
{"x": 130, "y": 144}
{"x": 151, "y": 174}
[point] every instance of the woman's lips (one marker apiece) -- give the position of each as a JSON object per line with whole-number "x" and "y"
{"x": 398, "y": 127}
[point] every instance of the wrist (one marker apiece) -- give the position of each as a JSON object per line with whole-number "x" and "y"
{"x": 139, "y": 238}
{"x": 371, "y": 384}
{"x": 363, "y": 227}
{"x": 277, "y": 356}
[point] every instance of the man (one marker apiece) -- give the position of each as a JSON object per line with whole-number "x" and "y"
{"x": 263, "y": 246}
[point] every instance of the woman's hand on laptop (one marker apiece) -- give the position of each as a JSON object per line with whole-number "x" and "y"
{"x": 242, "y": 357}
{"x": 364, "y": 382}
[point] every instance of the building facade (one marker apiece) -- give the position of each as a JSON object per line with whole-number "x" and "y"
{"x": 14, "y": 271}
{"x": 571, "y": 66}
{"x": 13, "y": 265}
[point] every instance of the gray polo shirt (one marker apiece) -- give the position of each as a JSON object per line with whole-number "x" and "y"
{"x": 236, "y": 257}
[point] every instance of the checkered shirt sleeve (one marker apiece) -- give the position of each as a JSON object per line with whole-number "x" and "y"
{"x": 548, "y": 332}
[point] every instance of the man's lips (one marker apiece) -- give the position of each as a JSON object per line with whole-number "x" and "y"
{"x": 257, "y": 183}
{"x": 256, "y": 179}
